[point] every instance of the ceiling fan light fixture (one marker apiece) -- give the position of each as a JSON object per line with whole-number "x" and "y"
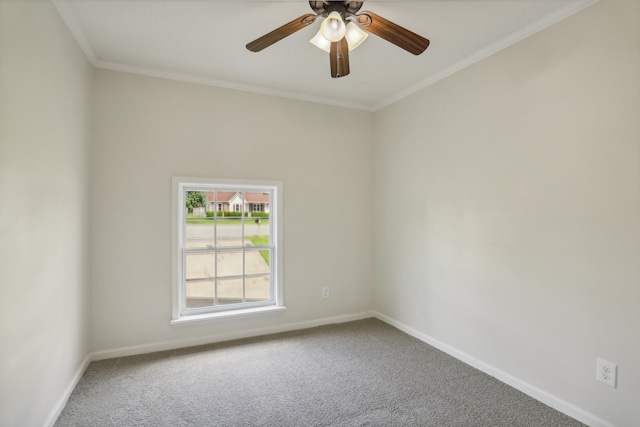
{"x": 340, "y": 33}
{"x": 333, "y": 27}
{"x": 355, "y": 36}
{"x": 320, "y": 42}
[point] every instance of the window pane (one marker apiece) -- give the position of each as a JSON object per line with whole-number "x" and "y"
{"x": 256, "y": 231}
{"x": 256, "y": 228}
{"x": 229, "y": 231}
{"x": 199, "y": 266}
{"x": 199, "y": 274}
{"x": 257, "y": 261}
{"x": 228, "y": 254}
{"x": 199, "y": 233}
{"x": 198, "y": 228}
{"x": 230, "y": 263}
{"x": 257, "y": 288}
{"x": 229, "y": 291}
{"x": 199, "y": 294}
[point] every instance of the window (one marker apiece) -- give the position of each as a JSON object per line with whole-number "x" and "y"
{"x": 256, "y": 207}
{"x": 224, "y": 265}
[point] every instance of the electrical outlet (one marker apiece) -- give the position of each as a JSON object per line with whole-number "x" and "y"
{"x": 325, "y": 292}
{"x": 606, "y": 372}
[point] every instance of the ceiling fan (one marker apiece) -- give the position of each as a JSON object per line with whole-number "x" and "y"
{"x": 341, "y": 31}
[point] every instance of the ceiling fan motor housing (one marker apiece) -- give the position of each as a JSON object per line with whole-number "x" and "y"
{"x": 345, "y": 8}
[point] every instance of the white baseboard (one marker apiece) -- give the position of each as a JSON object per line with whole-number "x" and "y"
{"x": 62, "y": 401}
{"x": 170, "y": 345}
{"x": 528, "y": 389}
{"x": 208, "y": 339}
{"x": 536, "y": 393}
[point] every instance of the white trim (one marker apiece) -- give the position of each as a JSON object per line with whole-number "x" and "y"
{"x": 180, "y": 183}
{"x": 182, "y": 77}
{"x": 541, "y": 24}
{"x": 176, "y": 219}
{"x": 513, "y": 38}
{"x": 528, "y": 389}
{"x": 209, "y": 339}
{"x": 536, "y": 393}
{"x": 171, "y": 345}
{"x": 220, "y": 315}
{"x": 78, "y": 33}
{"x": 62, "y": 401}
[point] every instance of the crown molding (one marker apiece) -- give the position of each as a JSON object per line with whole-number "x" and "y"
{"x": 74, "y": 26}
{"x": 541, "y": 24}
{"x": 76, "y": 30}
{"x": 188, "y": 78}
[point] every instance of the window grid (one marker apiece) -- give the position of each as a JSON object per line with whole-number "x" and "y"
{"x": 216, "y": 249}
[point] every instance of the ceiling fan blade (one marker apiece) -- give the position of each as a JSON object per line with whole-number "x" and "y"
{"x": 339, "y": 58}
{"x": 279, "y": 33}
{"x": 393, "y": 33}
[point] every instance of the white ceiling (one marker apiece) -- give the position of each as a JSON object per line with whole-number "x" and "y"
{"x": 204, "y": 41}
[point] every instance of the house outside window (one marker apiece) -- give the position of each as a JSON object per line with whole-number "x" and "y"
{"x": 225, "y": 266}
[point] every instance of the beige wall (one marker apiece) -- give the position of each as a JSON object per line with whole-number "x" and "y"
{"x": 523, "y": 252}
{"x": 148, "y": 130}
{"x": 44, "y": 116}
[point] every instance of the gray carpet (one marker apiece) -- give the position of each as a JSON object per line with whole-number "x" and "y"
{"x": 363, "y": 373}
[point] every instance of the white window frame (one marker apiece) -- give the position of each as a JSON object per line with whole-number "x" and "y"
{"x": 180, "y": 314}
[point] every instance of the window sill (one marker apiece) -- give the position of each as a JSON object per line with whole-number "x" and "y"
{"x": 234, "y": 314}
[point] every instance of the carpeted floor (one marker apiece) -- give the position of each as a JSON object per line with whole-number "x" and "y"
{"x": 363, "y": 373}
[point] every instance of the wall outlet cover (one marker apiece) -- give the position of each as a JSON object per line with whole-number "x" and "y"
{"x": 607, "y": 372}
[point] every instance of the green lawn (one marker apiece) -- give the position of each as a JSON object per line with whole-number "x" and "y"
{"x": 261, "y": 241}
